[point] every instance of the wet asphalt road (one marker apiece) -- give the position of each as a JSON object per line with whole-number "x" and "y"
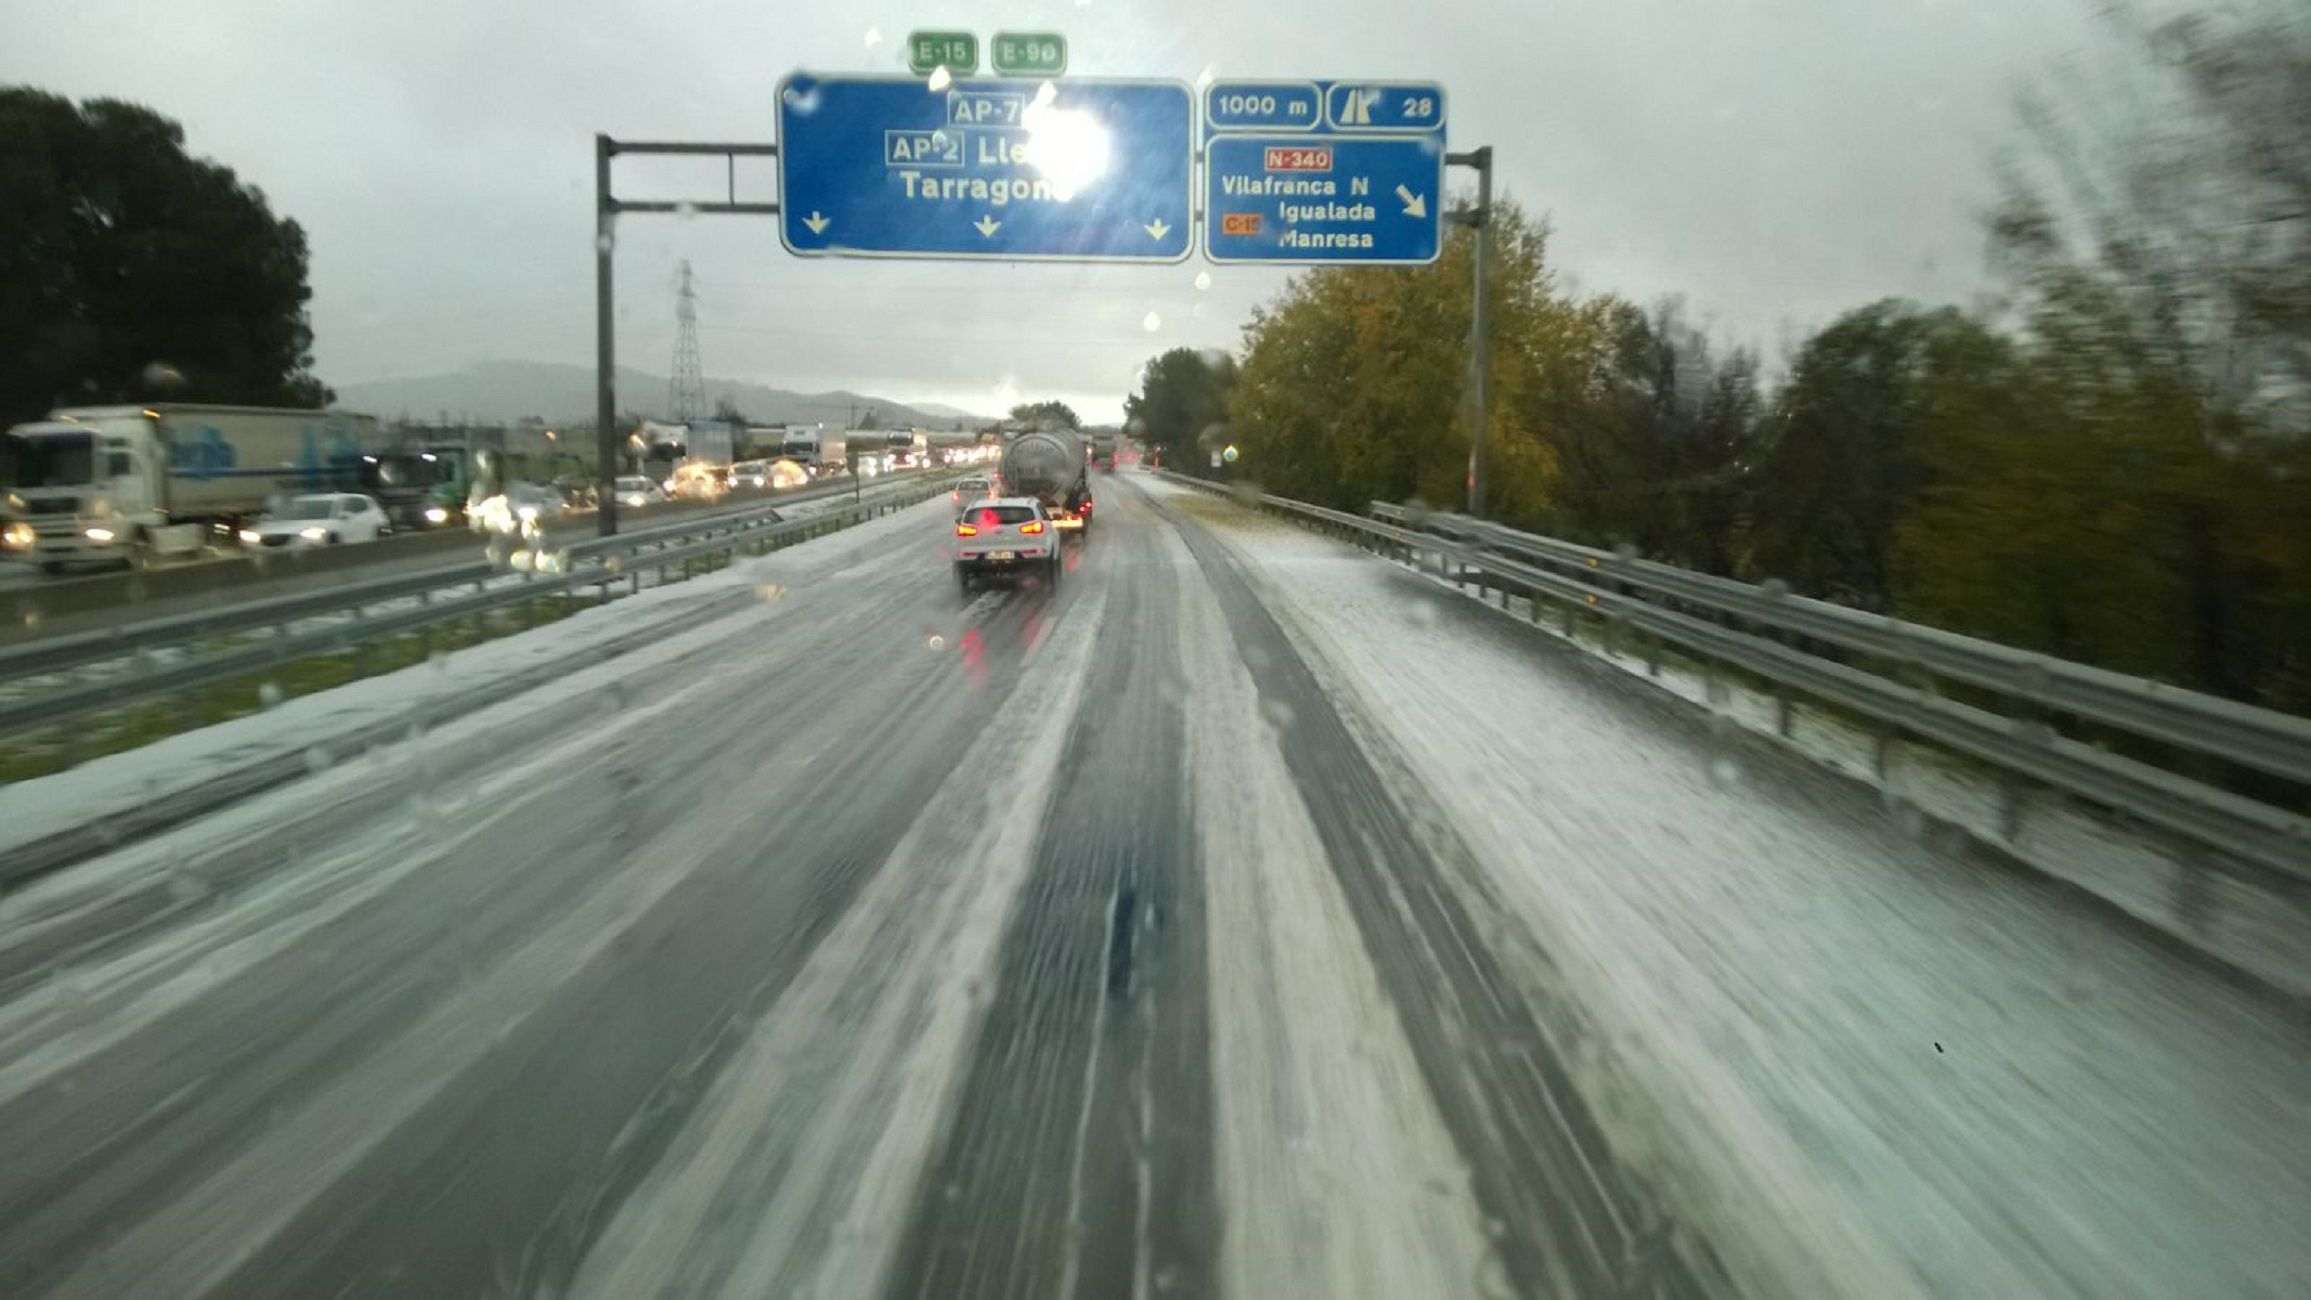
{"x": 457, "y": 1084}
{"x": 870, "y": 946}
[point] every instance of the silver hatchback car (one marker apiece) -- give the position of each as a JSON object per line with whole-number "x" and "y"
{"x": 1005, "y": 537}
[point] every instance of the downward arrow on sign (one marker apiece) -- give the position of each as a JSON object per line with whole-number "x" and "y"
{"x": 1415, "y": 205}
{"x": 1156, "y": 229}
{"x": 987, "y": 225}
{"x": 817, "y": 223}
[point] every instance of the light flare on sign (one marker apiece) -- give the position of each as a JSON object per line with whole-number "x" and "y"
{"x": 1067, "y": 146}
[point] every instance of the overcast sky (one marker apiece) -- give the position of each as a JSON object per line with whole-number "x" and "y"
{"x": 1772, "y": 161}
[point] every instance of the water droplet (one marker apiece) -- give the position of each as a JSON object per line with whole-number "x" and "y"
{"x": 1423, "y": 613}
{"x": 1151, "y": 322}
{"x": 685, "y": 210}
{"x": 1774, "y": 588}
{"x": 874, "y": 37}
{"x": 1625, "y": 551}
{"x": 185, "y": 887}
{"x": 1203, "y": 279}
{"x": 317, "y": 760}
{"x": 2033, "y": 731}
{"x": 1206, "y": 77}
{"x": 1495, "y": 1229}
{"x": 937, "y": 642}
{"x": 160, "y": 374}
{"x": 768, "y": 592}
{"x": 1277, "y": 712}
{"x": 1725, "y": 773}
{"x": 941, "y": 78}
{"x": 605, "y": 242}
{"x": 438, "y": 661}
{"x": 614, "y": 565}
{"x": 268, "y": 695}
{"x": 33, "y": 617}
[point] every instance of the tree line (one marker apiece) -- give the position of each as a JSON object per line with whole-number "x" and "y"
{"x": 2109, "y": 464}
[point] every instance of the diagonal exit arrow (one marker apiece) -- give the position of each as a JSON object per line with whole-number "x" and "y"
{"x": 1156, "y": 229}
{"x": 987, "y": 226}
{"x": 1415, "y": 205}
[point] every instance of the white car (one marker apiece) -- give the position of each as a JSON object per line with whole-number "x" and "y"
{"x": 750, "y": 474}
{"x": 975, "y": 488}
{"x": 1008, "y": 539}
{"x": 640, "y": 490}
{"x": 321, "y": 519}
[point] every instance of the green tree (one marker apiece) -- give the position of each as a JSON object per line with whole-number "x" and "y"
{"x": 1048, "y": 414}
{"x": 1652, "y": 438}
{"x": 1183, "y": 394}
{"x": 1841, "y": 463}
{"x": 2125, "y": 489}
{"x": 129, "y": 269}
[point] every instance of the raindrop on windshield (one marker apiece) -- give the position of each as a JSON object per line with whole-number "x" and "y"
{"x": 33, "y": 617}
{"x": 1724, "y": 773}
{"x": 268, "y": 695}
{"x": 874, "y": 37}
{"x": 614, "y": 565}
{"x": 438, "y": 661}
{"x": 317, "y": 760}
{"x": 1774, "y": 588}
{"x": 1203, "y": 279}
{"x": 941, "y": 78}
{"x": 604, "y": 242}
{"x": 1625, "y": 551}
{"x": 1278, "y": 713}
{"x": 1151, "y": 322}
{"x": 1423, "y": 613}
{"x": 160, "y": 374}
{"x": 936, "y": 642}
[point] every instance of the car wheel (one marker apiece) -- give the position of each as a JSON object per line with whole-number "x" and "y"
{"x": 963, "y": 579}
{"x": 334, "y": 539}
{"x": 1055, "y": 567}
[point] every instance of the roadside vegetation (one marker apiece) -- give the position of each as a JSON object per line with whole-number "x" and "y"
{"x": 2109, "y": 463}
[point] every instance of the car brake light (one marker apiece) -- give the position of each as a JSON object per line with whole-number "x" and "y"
{"x": 966, "y": 530}
{"x": 1032, "y": 526}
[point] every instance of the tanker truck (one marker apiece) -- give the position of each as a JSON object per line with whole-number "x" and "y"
{"x": 1049, "y": 465}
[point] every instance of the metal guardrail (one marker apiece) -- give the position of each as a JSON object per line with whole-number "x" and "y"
{"x": 58, "y": 653}
{"x": 596, "y": 562}
{"x": 1762, "y": 631}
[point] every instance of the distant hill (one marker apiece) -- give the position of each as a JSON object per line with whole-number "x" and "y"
{"x": 500, "y": 392}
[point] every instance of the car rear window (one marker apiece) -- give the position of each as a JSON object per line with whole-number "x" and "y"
{"x": 990, "y": 516}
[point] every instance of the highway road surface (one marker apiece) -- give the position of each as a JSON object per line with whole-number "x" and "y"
{"x": 1247, "y": 916}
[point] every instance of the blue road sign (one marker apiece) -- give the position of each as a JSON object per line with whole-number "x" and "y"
{"x": 1321, "y": 172}
{"x": 1070, "y": 170}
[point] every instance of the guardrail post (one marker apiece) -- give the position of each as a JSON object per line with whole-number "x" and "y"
{"x": 2013, "y": 793}
{"x": 1783, "y": 712}
{"x": 1882, "y": 755}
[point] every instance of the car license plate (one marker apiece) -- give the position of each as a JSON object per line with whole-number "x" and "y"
{"x": 1001, "y": 555}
